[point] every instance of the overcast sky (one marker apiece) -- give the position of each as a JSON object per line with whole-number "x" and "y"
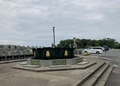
{"x": 30, "y": 22}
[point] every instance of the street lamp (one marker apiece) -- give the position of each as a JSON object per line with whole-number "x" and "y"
{"x": 54, "y": 35}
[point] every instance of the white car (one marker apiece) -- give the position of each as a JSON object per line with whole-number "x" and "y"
{"x": 97, "y": 50}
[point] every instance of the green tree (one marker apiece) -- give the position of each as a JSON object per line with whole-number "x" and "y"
{"x": 84, "y": 43}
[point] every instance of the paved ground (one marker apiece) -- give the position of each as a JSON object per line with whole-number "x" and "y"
{"x": 114, "y": 79}
{"x": 15, "y": 77}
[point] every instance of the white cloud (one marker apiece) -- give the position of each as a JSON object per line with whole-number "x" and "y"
{"x": 28, "y": 22}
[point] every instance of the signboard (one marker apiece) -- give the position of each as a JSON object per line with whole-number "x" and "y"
{"x": 78, "y": 60}
{"x": 59, "y": 62}
{"x": 35, "y": 62}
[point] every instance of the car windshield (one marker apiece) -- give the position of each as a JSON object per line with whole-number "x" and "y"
{"x": 90, "y": 48}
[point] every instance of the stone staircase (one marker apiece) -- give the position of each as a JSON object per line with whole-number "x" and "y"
{"x": 97, "y": 76}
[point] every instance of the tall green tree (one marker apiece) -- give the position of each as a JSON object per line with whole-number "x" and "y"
{"x": 84, "y": 43}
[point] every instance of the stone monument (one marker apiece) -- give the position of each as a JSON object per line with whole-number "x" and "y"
{"x": 49, "y": 56}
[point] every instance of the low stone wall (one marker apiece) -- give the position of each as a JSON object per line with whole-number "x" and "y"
{"x": 15, "y": 57}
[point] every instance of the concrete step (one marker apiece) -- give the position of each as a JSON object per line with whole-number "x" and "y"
{"x": 90, "y": 73}
{"x": 54, "y": 67}
{"x": 95, "y": 77}
{"x": 102, "y": 81}
{"x": 32, "y": 66}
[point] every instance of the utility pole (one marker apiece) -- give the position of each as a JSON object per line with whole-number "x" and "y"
{"x": 54, "y": 35}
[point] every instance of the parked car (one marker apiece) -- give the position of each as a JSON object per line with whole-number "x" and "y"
{"x": 97, "y": 50}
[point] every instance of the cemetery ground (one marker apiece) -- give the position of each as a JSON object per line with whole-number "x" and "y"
{"x": 15, "y": 77}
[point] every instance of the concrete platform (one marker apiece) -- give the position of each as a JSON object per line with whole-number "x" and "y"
{"x": 67, "y": 75}
{"x": 53, "y": 67}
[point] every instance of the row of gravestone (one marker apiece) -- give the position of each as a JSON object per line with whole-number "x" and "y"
{"x": 10, "y": 50}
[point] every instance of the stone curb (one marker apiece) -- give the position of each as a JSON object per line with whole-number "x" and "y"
{"x": 10, "y": 61}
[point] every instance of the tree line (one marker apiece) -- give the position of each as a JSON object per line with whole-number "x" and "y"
{"x": 85, "y": 43}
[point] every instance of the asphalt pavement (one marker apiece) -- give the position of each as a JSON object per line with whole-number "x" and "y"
{"x": 114, "y": 55}
{"x": 13, "y": 77}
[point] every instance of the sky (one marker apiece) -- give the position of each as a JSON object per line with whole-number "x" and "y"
{"x": 31, "y": 22}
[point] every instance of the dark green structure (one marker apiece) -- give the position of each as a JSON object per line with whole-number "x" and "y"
{"x": 53, "y": 53}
